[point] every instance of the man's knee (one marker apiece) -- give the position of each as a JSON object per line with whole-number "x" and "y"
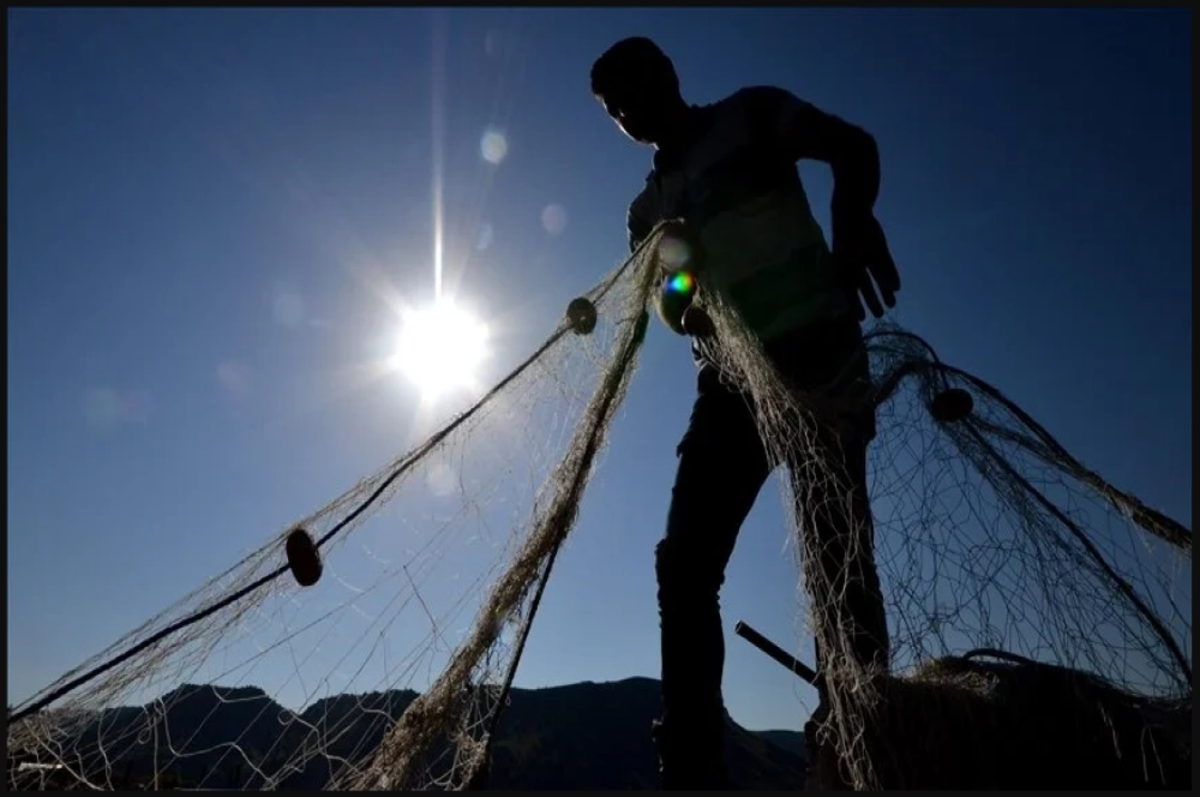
{"x": 686, "y": 572}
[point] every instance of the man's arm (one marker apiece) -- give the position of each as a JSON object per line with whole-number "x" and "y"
{"x": 850, "y": 151}
{"x": 669, "y": 305}
{"x": 638, "y": 224}
{"x": 801, "y": 130}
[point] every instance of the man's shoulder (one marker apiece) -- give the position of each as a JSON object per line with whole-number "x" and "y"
{"x": 759, "y": 99}
{"x": 645, "y": 195}
{"x": 642, "y": 212}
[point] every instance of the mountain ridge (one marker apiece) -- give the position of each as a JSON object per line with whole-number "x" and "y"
{"x": 586, "y": 735}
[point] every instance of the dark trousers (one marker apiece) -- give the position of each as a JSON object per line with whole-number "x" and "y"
{"x": 722, "y": 467}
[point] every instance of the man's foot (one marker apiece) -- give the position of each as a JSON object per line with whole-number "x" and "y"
{"x": 823, "y": 767}
{"x": 689, "y": 762}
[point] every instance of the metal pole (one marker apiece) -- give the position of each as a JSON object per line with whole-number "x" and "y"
{"x": 777, "y": 653}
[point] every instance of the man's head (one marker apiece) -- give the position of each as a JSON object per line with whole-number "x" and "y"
{"x": 636, "y": 83}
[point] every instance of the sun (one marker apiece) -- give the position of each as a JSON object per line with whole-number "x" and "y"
{"x": 440, "y": 348}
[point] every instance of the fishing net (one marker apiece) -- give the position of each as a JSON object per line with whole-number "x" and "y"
{"x": 984, "y": 534}
{"x": 391, "y": 671}
{"x": 388, "y": 672}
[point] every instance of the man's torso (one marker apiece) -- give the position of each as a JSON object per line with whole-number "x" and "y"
{"x": 742, "y": 196}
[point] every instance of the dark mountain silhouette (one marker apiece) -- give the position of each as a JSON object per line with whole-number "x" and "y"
{"x": 581, "y": 736}
{"x": 788, "y": 741}
{"x": 597, "y": 736}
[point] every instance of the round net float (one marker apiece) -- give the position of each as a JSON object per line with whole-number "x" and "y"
{"x": 581, "y": 313}
{"x": 303, "y": 558}
{"x": 951, "y": 405}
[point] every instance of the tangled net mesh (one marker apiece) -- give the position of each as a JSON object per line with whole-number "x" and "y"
{"x": 392, "y": 671}
{"x": 988, "y": 536}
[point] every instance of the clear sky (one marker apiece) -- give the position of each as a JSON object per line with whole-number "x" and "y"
{"x": 185, "y": 189}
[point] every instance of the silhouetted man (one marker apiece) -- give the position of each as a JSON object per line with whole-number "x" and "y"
{"x": 729, "y": 171}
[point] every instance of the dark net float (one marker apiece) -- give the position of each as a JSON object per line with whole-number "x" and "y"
{"x": 303, "y": 558}
{"x": 951, "y": 405}
{"x": 581, "y": 314}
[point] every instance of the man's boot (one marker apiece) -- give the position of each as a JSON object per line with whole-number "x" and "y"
{"x": 824, "y": 770}
{"x": 690, "y": 757}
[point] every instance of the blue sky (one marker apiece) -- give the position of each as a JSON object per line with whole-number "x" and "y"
{"x": 185, "y": 189}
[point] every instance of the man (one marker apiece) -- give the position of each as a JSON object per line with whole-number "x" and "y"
{"x": 729, "y": 171}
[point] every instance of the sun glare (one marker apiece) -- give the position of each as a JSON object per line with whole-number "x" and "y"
{"x": 440, "y": 348}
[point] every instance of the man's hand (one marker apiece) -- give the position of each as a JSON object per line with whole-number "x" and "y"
{"x": 861, "y": 252}
{"x": 696, "y": 323}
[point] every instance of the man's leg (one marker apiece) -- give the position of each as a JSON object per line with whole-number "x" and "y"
{"x": 831, "y": 490}
{"x": 722, "y": 467}
{"x": 838, "y": 545}
{"x": 846, "y": 561}
{"x": 849, "y": 601}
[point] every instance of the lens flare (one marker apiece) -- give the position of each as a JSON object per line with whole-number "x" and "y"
{"x": 681, "y": 282}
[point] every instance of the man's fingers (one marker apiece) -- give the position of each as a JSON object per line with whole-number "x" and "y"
{"x": 883, "y": 270}
{"x": 867, "y": 289}
{"x": 867, "y": 284}
{"x": 884, "y": 284}
{"x": 887, "y": 275}
{"x": 696, "y": 323}
{"x": 860, "y": 314}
